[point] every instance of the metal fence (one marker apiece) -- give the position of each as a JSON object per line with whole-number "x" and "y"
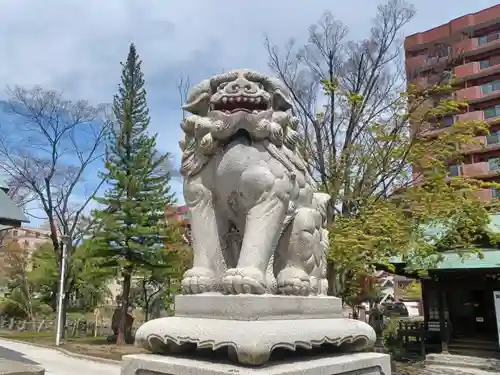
{"x": 74, "y": 327}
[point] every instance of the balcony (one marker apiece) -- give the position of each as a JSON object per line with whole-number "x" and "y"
{"x": 467, "y": 70}
{"x": 471, "y": 116}
{"x": 479, "y": 144}
{"x": 475, "y": 69}
{"x": 415, "y": 62}
{"x": 480, "y": 46}
{"x": 485, "y": 195}
{"x": 476, "y": 170}
{"x": 470, "y": 93}
{"x": 484, "y": 92}
{"x": 482, "y": 144}
{"x": 465, "y": 46}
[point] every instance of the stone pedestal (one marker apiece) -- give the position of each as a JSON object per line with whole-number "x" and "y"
{"x": 352, "y": 364}
{"x": 248, "y": 329}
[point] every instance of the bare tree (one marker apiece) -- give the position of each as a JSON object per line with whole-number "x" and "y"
{"x": 354, "y": 121}
{"x": 50, "y": 146}
{"x": 183, "y": 86}
{"x": 363, "y": 81}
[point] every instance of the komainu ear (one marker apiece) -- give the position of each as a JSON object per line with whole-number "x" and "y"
{"x": 321, "y": 202}
{"x": 280, "y": 101}
{"x": 198, "y": 100}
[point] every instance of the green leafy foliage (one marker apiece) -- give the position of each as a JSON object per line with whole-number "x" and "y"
{"x": 90, "y": 281}
{"x": 366, "y": 138}
{"x": 382, "y": 223}
{"x": 391, "y": 338}
{"x": 155, "y": 287}
{"x": 412, "y": 291}
{"x": 19, "y": 299}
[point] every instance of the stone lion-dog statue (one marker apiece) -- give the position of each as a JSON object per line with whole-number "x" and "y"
{"x": 257, "y": 225}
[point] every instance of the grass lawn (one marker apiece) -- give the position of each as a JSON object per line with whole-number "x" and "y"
{"x": 92, "y": 346}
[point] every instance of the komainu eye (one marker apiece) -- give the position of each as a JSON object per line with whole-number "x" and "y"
{"x": 221, "y": 86}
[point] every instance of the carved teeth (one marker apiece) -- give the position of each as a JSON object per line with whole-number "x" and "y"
{"x": 224, "y": 100}
{"x": 231, "y": 99}
{"x": 255, "y": 112}
{"x": 251, "y": 100}
{"x": 245, "y": 99}
{"x": 238, "y": 99}
{"x": 257, "y": 100}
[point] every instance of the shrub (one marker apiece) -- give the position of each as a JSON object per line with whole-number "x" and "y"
{"x": 11, "y": 309}
{"x": 391, "y": 339}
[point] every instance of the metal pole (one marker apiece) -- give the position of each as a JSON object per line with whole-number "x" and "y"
{"x": 61, "y": 295}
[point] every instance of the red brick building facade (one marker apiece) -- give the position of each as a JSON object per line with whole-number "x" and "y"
{"x": 468, "y": 49}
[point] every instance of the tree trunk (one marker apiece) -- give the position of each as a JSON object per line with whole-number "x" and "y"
{"x": 53, "y": 297}
{"x": 146, "y": 311}
{"x": 146, "y": 300}
{"x": 64, "y": 315}
{"x": 120, "y": 340}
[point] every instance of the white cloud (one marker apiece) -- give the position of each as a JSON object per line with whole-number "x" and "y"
{"x": 76, "y": 46}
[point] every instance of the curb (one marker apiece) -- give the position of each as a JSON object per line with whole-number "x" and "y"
{"x": 67, "y": 352}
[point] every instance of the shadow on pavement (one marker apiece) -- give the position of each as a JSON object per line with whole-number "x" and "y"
{"x": 12, "y": 355}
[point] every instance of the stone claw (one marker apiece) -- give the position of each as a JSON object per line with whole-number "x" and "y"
{"x": 293, "y": 281}
{"x": 244, "y": 281}
{"x": 198, "y": 280}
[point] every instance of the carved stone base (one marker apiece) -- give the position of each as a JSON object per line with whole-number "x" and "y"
{"x": 257, "y": 307}
{"x": 252, "y": 327}
{"x": 348, "y": 364}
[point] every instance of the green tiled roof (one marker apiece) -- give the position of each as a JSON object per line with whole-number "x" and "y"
{"x": 454, "y": 260}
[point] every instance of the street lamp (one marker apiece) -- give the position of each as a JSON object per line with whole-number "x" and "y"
{"x": 64, "y": 247}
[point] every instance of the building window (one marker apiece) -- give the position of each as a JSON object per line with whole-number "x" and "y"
{"x": 491, "y": 112}
{"x": 495, "y": 193}
{"x": 490, "y": 87}
{"x": 433, "y": 306}
{"x": 493, "y": 138}
{"x": 439, "y": 51}
{"x": 483, "y": 64}
{"x": 494, "y": 164}
{"x": 15, "y": 233}
{"x": 482, "y": 40}
{"x": 454, "y": 170}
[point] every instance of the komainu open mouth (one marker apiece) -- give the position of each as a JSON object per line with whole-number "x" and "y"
{"x": 232, "y": 104}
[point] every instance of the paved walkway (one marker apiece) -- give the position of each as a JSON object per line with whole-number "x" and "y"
{"x": 54, "y": 362}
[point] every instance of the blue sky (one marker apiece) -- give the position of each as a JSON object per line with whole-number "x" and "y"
{"x": 76, "y": 46}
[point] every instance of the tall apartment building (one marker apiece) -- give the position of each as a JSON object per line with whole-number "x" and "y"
{"x": 467, "y": 48}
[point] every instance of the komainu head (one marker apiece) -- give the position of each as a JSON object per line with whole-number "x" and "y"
{"x": 238, "y": 91}
{"x": 240, "y": 101}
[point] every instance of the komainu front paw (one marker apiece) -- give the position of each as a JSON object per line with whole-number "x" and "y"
{"x": 198, "y": 280}
{"x": 293, "y": 281}
{"x": 244, "y": 281}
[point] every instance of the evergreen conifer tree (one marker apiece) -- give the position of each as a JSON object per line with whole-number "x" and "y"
{"x": 132, "y": 223}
